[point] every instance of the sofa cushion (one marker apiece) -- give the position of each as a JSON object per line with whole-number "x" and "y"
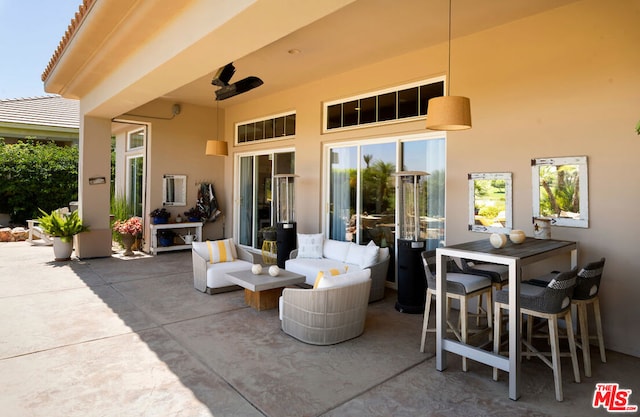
{"x": 216, "y": 272}
{"x": 361, "y": 255}
{"x": 221, "y": 251}
{"x": 330, "y": 272}
{"x": 310, "y": 246}
{"x": 328, "y": 281}
{"x": 335, "y": 249}
{"x": 310, "y": 267}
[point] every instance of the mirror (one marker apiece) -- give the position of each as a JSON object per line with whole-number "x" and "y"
{"x": 490, "y": 202}
{"x": 560, "y": 190}
{"x": 174, "y": 190}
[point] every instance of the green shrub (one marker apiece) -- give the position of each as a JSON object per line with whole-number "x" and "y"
{"x": 36, "y": 175}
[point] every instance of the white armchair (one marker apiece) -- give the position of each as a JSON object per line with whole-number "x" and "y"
{"x": 210, "y": 277}
{"x": 326, "y": 316}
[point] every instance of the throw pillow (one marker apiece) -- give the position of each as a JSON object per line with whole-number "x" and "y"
{"x": 221, "y": 251}
{"x": 331, "y": 272}
{"x": 363, "y": 256}
{"x": 310, "y": 246}
{"x": 344, "y": 279}
{"x": 335, "y": 249}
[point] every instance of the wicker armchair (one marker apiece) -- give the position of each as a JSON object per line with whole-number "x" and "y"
{"x": 326, "y": 316}
{"x": 210, "y": 277}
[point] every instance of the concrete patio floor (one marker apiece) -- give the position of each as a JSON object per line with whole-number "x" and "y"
{"x": 132, "y": 337}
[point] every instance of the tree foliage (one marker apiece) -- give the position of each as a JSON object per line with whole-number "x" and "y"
{"x": 36, "y": 175}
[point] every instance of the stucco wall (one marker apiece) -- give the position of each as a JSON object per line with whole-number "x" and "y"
{"x": 562, "y": 83}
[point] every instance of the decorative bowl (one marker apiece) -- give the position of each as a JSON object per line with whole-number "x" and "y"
{"x": 256, "y": 269}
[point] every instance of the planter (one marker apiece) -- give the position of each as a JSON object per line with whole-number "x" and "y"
{"x": 165, "y": 237}
{"x": 127, "y": 242}
{"x": 194, "y": 219}
{"x": 160, "y": 220}
{"x": 271, "y": 235}
{"x": 62, "y": 250}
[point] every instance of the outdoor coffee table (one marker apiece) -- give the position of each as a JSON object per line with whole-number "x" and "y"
{"x": 262, "y": 291}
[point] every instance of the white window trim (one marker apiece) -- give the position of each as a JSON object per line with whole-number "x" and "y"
{"x": 260, "y": 119}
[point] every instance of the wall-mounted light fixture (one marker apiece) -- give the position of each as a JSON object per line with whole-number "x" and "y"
{"x": 97, "y": 180}
{"x": 449, "y": 112}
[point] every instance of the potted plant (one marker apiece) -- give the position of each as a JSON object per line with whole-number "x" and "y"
{"x": 165, "y": 237}
{"x": 129, "y": 230}
{"x": 62, "y": 227}
{"x": 160, "y": 216}
{"x": 196, "y": 214}
{"x": 269, "y": 233}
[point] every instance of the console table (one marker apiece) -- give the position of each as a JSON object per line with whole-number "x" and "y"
{"x": 155, "y": 248}
{"x": 515, "y": 256}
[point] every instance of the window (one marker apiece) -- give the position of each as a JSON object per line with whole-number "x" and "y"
{"x": 255, "y": 190}
{"x": 135, "y": 171}
{"x": 404, "y": 102}
{"x": 135, "y": 140}
{"x": 361, "y": 191}
{"x": 271, "y": 128}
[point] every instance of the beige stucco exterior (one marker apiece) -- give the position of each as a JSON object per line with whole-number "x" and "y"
{"x": 563, "y": 82}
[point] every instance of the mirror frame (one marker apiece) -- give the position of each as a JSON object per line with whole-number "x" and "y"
{"x": 583, "y": 177}
{"x": 508, "y": 192}
{"x": 179, "y": 193}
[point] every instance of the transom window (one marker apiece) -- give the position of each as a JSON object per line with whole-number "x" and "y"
{"x": 403, "y": 102}
{"x": 270, "y": 128}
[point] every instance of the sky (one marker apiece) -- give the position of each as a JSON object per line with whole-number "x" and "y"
{"x": 30, "y": 31}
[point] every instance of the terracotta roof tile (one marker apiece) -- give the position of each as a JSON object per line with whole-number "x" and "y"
{"x": 66, "y": 38}
{"x": 41, "y": 111}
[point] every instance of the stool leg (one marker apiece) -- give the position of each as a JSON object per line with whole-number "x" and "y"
{"x": 583, "y": 321}
{"x": 596, "y": 313}
{"x": 425, "y": 321}
{"x": 463, "y": 328}
{"x": 555, "y": 356}
{"x": 572, "y": 347}
{"x": 497, "y": 325}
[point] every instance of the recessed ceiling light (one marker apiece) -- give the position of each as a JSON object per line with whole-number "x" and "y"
{"x": 294, "y": 51}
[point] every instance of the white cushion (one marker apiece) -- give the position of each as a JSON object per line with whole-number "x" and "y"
{"x": 331, "y": 272}
{"x": 363, "y": 256}
{"x": 344, "y": 279}
{"x": 310, "y": 267}
{"x": 335, "y": 249}
{"x": 471, "y": 282}
{"x": 216, "y": 273}
{"x": 310, "y": 246}
{"x": 221, "y": 251}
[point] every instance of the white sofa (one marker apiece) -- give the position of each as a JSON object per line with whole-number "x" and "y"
{"x": 329, "y": 254}
{"x": 210, "y": 277}
{"x": 332, "y": 313}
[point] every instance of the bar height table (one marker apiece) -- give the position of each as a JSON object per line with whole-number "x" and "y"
{"x": 515, "y": 257}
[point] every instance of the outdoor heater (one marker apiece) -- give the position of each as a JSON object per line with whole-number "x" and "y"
{"x": 411, "y": 277}
{"x": 285, "y": 216}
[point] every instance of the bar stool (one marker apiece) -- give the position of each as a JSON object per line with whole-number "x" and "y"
{"x": 550, "y": 303}
{"x": 585, "y": 294}
{"x": 460, "y": 286}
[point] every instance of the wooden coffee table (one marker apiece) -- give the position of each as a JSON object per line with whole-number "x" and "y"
{"x": 262, "y": 291}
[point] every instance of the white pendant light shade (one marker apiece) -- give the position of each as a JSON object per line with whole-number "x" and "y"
{"x": 217, "y": 148}
{"x": 449, "y": 113}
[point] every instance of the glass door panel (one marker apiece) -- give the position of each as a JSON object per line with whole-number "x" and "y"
{"x": 342, "y": 193}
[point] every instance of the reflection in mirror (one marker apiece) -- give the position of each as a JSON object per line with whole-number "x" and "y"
{"x": 174, "y": 190}
{"x": 490, "y": 202}
{"x": 560, "y": 190}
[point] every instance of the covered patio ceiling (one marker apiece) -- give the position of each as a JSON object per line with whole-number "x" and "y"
{"x": 329, "y": 41}
{"x": 361, "y": 33}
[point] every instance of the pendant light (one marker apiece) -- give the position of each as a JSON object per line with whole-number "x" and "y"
{"x": 449, "y": 112}
{"x": 217, "y": 147}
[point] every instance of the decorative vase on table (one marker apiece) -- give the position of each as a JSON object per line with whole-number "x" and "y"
{"x": 127, "y": 242}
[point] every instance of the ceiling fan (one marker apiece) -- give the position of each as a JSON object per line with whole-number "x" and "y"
{"x": 226, "y": 90}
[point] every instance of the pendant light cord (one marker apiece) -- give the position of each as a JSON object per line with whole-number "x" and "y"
{"x": 449, "y": 61}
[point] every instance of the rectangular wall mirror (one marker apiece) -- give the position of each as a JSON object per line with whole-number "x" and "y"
{"x": 174, "y": 190}
{"x": 560, "y": 190}
{"x": 490, "y": 202}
